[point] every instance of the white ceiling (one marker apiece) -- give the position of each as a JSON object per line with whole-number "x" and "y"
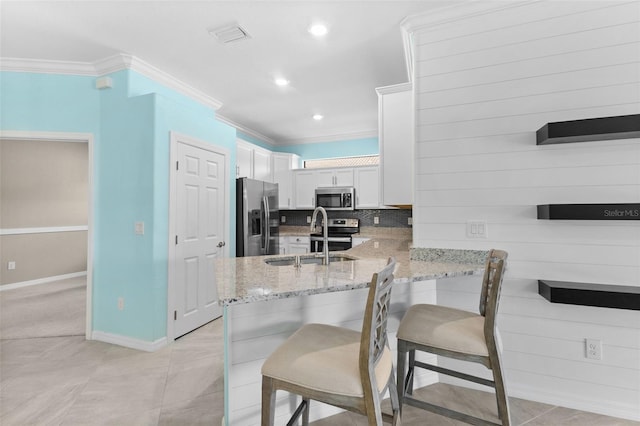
{"x": 336, "y": 76}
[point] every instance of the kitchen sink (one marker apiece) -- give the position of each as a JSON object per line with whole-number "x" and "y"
{"x": 307, "y": 260}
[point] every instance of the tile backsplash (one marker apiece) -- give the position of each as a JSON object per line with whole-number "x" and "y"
{"x": 388, "y": 218}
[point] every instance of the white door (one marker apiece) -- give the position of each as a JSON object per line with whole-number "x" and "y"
{"x": 200, "y": 229}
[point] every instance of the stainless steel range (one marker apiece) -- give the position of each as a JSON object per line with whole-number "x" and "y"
{"x": 339, "y": 235}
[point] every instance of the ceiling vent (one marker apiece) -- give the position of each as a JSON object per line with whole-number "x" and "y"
{"x": 229, "y": 34}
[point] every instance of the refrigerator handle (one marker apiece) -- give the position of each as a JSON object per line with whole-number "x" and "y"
{"x": 267, "y": 227}
{"x": 263, "y": 220}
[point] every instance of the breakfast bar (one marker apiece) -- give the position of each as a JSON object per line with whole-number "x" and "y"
{"x": 267, "y": 298}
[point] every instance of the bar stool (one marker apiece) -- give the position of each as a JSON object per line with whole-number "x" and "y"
{"x": 458, "y": 334}
{"x": 338, "y": 366}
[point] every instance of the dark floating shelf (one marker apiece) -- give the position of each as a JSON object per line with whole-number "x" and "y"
{"x": 628, "y": 211}
{"x": 590, "y": 129}
{"x": 601, "y": 295}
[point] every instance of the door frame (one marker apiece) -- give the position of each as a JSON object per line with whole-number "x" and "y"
{"x": 174, "y": 139}
{"x": 81, "y": 138}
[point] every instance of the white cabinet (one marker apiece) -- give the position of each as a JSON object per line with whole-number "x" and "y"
{"x": 294, "y": 244}
{"x": 299, "y": 245}
{"x": 244, "y": 160}
{"x": 262, "y": 164}
{"x": 253, "y": 161}
{"x": 396, "y": 138}
{"x": 306, "y": 181}
{"x": 367, "y": 187}
{"x": 282, "y": 166}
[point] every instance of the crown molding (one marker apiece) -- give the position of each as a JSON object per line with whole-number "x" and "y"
{"x": 246, "y": 130}
{"x": 402, "y": 87}
{"x": 105, "y": 66}
{"x": 45, "y": 66}
{"x": 331, "y": 138}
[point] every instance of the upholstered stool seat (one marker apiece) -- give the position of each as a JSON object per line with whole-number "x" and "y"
{"x": 454, "y": 333}
{"x": 338, "y": 366}
{"x": 444, "y": 328}
{"x": 326, "y": 359}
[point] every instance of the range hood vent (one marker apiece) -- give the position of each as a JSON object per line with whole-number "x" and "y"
{"x": 229, "y": 33}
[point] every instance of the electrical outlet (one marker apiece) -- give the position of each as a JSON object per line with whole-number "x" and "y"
{"x": 139, "y": 228}
{"x": 308, "y": 219}
{"x": 593, "y": 348}
{"x": 477, "y": 229}
{"x": 283, "y": 219}
{"x": 121, "y": 303}
{"x": 11, "y": 265}
{"x": 409, "y": 221}
{"x": 376, "y": 220}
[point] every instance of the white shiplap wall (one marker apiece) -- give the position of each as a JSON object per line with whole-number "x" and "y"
{"x": 486, "y": 77}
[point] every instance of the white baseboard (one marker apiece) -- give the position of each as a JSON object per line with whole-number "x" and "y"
{"x": 599, "y": 406}
{"x": 129, "y": 342}
{"x": 546, "y": 396}
{"x": 42, "y": 280}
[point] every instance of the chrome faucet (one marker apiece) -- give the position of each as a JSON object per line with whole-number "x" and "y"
{"x": 325, "y": 231}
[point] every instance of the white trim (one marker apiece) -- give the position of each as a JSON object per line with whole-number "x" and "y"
{"x": 29, "y": 283}
{"x": 71, "y": 137}
{"x": 246, "y": 130}
{"x": 129, "y": 342}
{"x": 331, "y": 138}
{"x": 396, "y": 88}
{"x": 44, "y": 230}
{"x": 43, "y": 66}
{"x": 109, "y": 65}
{"x": 174, "y": 139}
{"x": 46, "y": 136}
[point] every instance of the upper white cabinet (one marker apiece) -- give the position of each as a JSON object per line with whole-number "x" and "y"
{"x": 305, "y": 184}
{"x": 367, "y": 187}
{"x": 395, "y": 125}
{"x": 364, "y": 179}
{"x": 252, "y": 161}
{"x": 334, "y": 177}
{"x": 282, "y": 166}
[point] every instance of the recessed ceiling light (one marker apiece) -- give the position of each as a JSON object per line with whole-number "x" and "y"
{"x": 318, "y": 30}
{"x": 281, "y": 81}
{"x": 318, "y": 117}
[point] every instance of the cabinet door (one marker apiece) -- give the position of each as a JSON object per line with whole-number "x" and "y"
{"x": 325, "y": 178}
{"x": 367, "y": 187}
{"x": 298, "y": 245}
{"x": 282, "y": 166}
{"x": 262, "y": 165}
{"x": 343, "y": 177}
{"x": 283, "y": 245}
{"x": 244, "y": 161}
{"x": 305, "y": 189}
{"x": 396, "y": 144}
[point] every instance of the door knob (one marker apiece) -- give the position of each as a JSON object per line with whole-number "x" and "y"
{"x": 221, "y": 244}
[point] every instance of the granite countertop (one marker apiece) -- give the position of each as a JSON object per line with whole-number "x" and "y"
{"x": 251, "y": 279}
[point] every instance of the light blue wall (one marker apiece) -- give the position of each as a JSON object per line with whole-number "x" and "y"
{"x": 130, "y": 124}
{"x": 346, "y": 148}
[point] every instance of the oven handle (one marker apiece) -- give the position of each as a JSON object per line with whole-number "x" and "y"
{"x": 333, "y": 239}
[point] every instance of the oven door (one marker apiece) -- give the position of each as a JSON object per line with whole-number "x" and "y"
{"x": 335, "y": 243}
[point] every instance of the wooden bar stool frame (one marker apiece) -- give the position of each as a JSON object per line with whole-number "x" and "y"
{"x": 373, "y": 341}
{"x": 495, "y": 265}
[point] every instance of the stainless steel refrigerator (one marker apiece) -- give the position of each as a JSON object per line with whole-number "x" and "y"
{"x": 257, "y": 218}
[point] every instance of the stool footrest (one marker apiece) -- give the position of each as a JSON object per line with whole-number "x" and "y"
{"x": 447, "y": 412}
{"x": 457, "y": 374}
{"x": 294, "y": 418}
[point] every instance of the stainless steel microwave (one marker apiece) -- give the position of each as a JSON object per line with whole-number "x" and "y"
{"x": 336, "y": 197}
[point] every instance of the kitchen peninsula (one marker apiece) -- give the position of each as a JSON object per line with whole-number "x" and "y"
{"x": 264, "y": 304}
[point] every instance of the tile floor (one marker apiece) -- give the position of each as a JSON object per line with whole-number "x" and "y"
{"x": 51, "y": 375}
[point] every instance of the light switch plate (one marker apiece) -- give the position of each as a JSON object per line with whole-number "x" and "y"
{"x": 139, "y": 228}
{"x": 477, "y": 229}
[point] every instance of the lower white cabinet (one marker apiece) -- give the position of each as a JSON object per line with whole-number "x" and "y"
{"x": 292, "y": 244}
